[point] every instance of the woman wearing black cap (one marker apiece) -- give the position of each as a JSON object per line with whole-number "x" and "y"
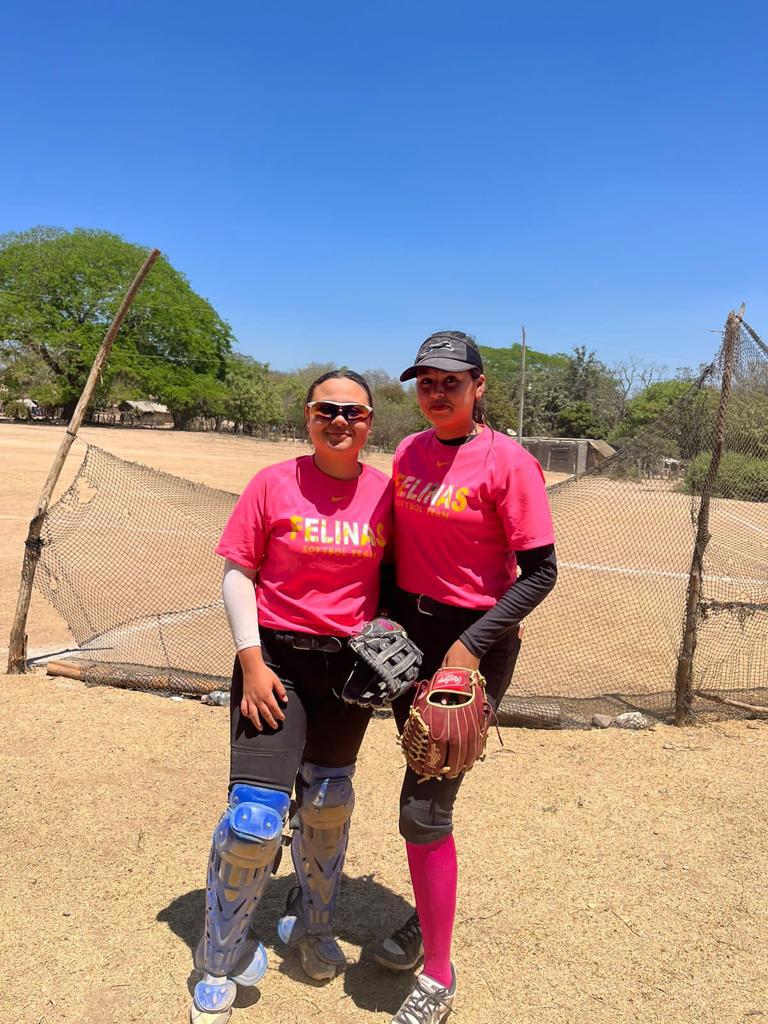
{"x": 470, "y": 510}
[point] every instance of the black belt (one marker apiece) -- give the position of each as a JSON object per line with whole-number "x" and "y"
{"x": 308, "y": 641}
{"x": 438, "y": 610}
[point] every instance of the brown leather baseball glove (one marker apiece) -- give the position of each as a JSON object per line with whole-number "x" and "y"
{"x": 447, "y": 725}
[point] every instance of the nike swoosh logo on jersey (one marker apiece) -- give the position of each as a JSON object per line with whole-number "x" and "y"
{"x": 343, "y": 496}
{"x": 447, "y": 462}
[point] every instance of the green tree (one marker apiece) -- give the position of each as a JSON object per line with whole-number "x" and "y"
{"x": 739, "y": 476}
{"x": 58, "y": 292}
{"x": 252, "y": 399}
{"x": 191, "y": 395}
{"x": 396, "y": 410}
{"x": 501, "y": 402}
{"x": 747, "y": 422}
{"x": 505, "y": 363}
{"x": 580, "y": 420}
{"x": 292, "y": 390}
{"x": 647, "y": 407}
{"x": 565, "y": 395}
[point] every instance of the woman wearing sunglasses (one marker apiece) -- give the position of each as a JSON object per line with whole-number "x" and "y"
{"x": 303, "y": 551}
{"x": 470, "y": 509}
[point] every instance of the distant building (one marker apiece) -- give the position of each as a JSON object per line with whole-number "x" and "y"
{"x": 35, "y": 412}
{"x": 145, "y": 414}
{"x": 567, "y": 454}
{"x": 20, "y": 408}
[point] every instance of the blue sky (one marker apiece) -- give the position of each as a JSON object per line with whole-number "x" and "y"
{"x": 341, "y": 179}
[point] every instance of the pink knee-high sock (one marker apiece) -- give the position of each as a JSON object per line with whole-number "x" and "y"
{"x": 434, "y": 873}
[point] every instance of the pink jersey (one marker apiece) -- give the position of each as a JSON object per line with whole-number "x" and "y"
{"x": 316, "y": 543}
{"x": 460, "y": 514}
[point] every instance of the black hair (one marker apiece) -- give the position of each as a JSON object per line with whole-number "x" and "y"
{"x": 479, "y": 409}
{"x": 341, "y": 375}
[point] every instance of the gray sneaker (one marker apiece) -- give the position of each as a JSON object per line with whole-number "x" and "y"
{"x": 403, "y": 949}
{"x": 428, "y": 1003}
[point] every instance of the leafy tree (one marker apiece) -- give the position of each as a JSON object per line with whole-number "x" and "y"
{"x": 252, "y": 398}
{"x": 588, "y": 382}
{"x": 580, "y": 420}
{"x": 647, "y": 407}
{"x": 58, "y": 292}
{"x": 292, "y": 390}
{"x": 747, "y": 422}
{"x": 501, "y": 400}
{"x": 387, "y": 388}
{"x": 565, "y": 395}
{"x": 22, "y": 375}
{"x": 397, "y": 413}
{"x": 505, "y": 363}
{"x": 632, "y": 376}
{"x": 192, "y": 395}
{"x": 738, "y": 476}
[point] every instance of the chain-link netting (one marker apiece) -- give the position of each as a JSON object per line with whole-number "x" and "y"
{"x": 608, "y": 638}
{"x": 127, "y": 559}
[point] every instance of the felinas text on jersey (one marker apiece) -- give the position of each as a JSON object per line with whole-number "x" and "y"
{"x": 337, "y": 536}
{"x": 430, "y": 496}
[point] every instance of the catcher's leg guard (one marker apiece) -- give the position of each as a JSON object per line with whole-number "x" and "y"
{"x": 326, "y": 800}
{"x": 245, "y": 844}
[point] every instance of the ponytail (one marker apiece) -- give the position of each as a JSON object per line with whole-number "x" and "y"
{"x": 479, "y": 409}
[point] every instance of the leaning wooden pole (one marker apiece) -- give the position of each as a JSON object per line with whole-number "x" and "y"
{"x": 17, "y": 647}
{"x": 684, "y": 676}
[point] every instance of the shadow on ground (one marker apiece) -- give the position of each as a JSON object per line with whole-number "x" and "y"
{"x": 366, "y": 911}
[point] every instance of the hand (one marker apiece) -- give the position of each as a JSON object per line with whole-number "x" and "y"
{"x": 459, "y": 656}
{"x": 261, "y": 690}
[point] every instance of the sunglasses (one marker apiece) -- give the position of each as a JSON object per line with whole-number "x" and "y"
{"x": 353, "y": 412}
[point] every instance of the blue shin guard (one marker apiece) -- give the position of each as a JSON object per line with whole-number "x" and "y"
{"x": 244, "y": 847}
{"x": 326, "y": 801}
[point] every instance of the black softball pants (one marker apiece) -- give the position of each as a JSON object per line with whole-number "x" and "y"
{"x": 426, "y": 808}
{"x": 319, "y": 726}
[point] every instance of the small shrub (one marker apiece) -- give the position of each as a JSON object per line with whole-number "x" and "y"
{"x": 740, "y": 476}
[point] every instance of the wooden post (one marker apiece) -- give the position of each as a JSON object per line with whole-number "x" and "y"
{"x": 684, "y": 675}
{"x": 754, "y": 709}
{"x": 17, "y": 648}
{"x": 522, "y": 393}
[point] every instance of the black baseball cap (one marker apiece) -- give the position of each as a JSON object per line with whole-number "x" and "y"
{"x": 446, "y": 350}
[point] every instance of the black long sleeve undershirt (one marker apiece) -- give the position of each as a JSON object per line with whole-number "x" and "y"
{"x": 538, "y": 574}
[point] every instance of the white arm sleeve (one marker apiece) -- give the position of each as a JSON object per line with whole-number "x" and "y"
{"x": 240, "y": 605}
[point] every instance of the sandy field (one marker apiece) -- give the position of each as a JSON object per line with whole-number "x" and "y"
{"x": 605, "y": 876}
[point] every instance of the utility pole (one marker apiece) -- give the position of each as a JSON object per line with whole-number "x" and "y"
{"x": 522, "y": 393}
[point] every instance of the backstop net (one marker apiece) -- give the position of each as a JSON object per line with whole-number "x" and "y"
{"x": 127, "y": 559}
{"x": 608, "y": 638}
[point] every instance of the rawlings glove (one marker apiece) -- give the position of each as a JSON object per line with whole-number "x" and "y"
{"x": 388, "y": 664}
{"x": 447, "y": 725}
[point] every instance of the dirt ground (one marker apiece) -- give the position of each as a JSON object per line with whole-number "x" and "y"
{"x": 605, "y": 876}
